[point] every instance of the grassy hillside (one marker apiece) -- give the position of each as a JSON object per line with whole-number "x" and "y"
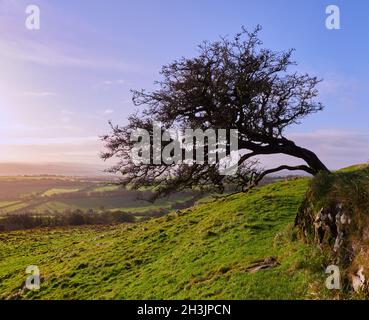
{"x": 240, "y": 247}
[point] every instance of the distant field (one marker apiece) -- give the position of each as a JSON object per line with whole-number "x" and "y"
{"x": 110, "y": 203}
{"x": 44, "y": 194}
{"x": 7, "y": 203}
{"x": 14, "y": 188}
{"x": 51, "y": 192}
{"x": 106, "y": 188}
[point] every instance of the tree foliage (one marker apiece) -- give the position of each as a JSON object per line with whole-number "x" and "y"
{"x": 232, "y": 83}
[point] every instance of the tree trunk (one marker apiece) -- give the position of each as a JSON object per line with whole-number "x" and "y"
{"x": 290, "y": 148}
{"x": 274, "y": 145}
{"x": 312, "y": 160}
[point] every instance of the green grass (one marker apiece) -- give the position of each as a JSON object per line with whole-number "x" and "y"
{"x": 105, "y": 188}
{"x": 113, "y": 203}
{"x": 349, "y": 186}
{"x": 199, "y": 253}
{"x": 355, "y": 167}
{"x": 55, "y": 206}
{"x": 55, "y": 191}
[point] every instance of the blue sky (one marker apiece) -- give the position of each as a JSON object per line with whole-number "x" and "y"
{"x": 60, "y": 85}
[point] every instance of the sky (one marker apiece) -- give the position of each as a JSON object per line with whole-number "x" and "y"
{"x": 60, "y": 85}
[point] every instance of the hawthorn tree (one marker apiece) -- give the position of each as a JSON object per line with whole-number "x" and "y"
{"x": 233, "y": 84}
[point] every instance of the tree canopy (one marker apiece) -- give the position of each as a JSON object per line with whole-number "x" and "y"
{"x": 233, "y": 83}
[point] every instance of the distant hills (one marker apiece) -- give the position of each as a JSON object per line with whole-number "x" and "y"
{"x": 76, "y": 169}
{"x": 67, "y": 169}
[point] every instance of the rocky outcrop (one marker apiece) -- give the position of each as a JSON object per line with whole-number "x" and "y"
{"x": 335, "y": 229}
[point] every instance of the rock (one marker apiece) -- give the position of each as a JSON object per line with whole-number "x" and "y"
{"x": 338, "y": 242}
{"x": 341, "y": 231}
{"x": 345, "y": 219}
{"x": 358, "y": 280}
{"x": 319, "y": 215}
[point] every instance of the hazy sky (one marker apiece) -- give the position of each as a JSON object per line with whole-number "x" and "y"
{"x": 60, "y": 85}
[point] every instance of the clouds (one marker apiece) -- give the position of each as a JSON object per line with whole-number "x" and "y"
{"x": 49, "y": 47}
{"x": 345, "y": 92}
{"x": 115, "y": 82}
{"x": 39, "y": 94}
{"x": 334, "y": 83}
{"x": 82, "y": 150}
{"x": 69, "y": 78}
{"x": 67, "y": 112}
{"x": 336, "y": 147}
{"x": 52, "y": 54}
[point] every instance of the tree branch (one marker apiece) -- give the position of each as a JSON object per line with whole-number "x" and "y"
{"x": 280, "y": 168}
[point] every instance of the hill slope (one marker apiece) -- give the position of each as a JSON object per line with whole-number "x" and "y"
{"x": 239, "y": 247}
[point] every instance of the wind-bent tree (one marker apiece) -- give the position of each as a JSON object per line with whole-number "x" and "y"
{"x": 231, "y": 84}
